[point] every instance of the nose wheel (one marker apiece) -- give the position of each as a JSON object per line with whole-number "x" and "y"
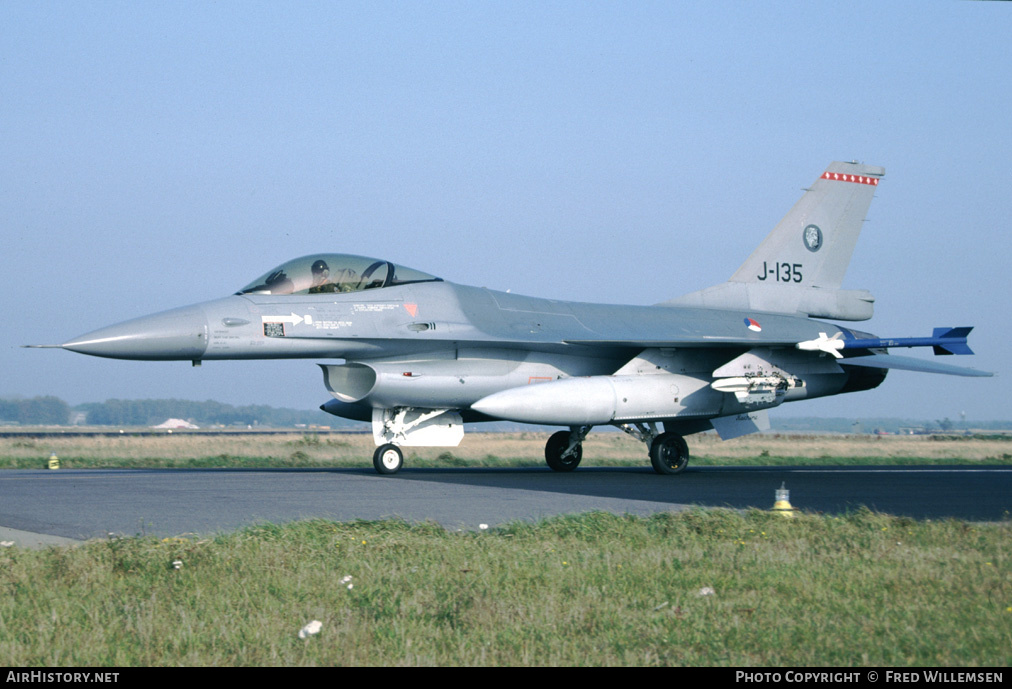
{"x": 388, "y": 459}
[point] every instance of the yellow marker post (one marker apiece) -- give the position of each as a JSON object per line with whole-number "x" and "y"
{"x": 54, "y": 461}
{"x": 783, "y": 501}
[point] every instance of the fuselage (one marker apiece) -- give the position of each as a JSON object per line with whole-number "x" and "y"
{"x": 436, "y": 344}
{"x": 419, "y": 318}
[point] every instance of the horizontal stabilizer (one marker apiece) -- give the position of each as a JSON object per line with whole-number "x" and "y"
{"x": 908, "y": 363}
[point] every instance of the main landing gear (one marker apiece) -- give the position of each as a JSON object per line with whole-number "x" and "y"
{"x": 564, "y": 449}
{"x": 669, "y": 453}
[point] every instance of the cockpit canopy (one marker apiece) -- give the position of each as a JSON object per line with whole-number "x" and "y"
{"x": 333, "y": 273}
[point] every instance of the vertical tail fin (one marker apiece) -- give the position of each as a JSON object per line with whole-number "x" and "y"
{"x": 799, "y": 267}
{"x": 812, "y": 245}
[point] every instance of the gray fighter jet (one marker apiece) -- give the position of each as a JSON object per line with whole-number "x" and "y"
{"x": 422, "y": 357}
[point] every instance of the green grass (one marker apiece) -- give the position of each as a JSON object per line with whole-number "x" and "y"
{"x": 149, "y": 450}
{"x": 864, "y": 589}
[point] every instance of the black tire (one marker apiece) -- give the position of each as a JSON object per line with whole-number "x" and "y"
{"x": 554, "y": 448}
{"x": 388, "y": 459}
{"x": 669, "y": 454}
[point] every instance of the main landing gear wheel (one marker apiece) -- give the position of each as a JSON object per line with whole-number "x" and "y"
{"x": 556, "y": 445}
{"x": 388, "y": 459}
{"x": 669, "y": 454}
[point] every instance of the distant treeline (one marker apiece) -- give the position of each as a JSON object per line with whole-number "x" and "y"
{"x": 54, "y": 411}
{"x": 48, "y": 411}
{"x": 43, "y": 411}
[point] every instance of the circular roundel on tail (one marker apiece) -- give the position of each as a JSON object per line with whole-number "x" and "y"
{"x": 812, "y": 236}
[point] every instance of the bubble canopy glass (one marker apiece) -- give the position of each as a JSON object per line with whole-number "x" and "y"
{"x": 333, "y": 273}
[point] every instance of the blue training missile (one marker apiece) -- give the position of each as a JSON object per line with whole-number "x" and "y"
{"x": 943, "y": 340}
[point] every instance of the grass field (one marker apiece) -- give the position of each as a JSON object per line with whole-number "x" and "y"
{"x": 488, "y": 449}
{"x": 711, "y": 587}
{"x": 694, "y": 588}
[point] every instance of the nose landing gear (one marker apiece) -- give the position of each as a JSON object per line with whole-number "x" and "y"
{"x": 388, "y": 459}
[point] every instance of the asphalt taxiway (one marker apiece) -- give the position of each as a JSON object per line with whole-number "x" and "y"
{"x": 40, "y": 507}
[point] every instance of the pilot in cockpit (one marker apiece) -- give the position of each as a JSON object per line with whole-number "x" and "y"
{"x": 323, "y": 284}
{"x": 321, "y": 278}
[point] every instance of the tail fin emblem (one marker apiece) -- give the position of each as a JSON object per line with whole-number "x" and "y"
{"x": 813, "y": 238}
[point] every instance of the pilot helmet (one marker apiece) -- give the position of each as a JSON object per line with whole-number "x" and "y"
{"x": 319, "y": 266}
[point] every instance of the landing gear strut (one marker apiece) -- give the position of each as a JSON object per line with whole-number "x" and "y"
{"x": 564, "y": 449}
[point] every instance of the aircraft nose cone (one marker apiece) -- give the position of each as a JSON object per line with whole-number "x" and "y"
{"x": 179, "y": 334}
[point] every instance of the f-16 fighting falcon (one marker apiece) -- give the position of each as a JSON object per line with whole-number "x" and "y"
{"x": 419, "y": 357}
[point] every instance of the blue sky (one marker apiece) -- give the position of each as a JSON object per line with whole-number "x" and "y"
{"x": 164, "y": 153}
